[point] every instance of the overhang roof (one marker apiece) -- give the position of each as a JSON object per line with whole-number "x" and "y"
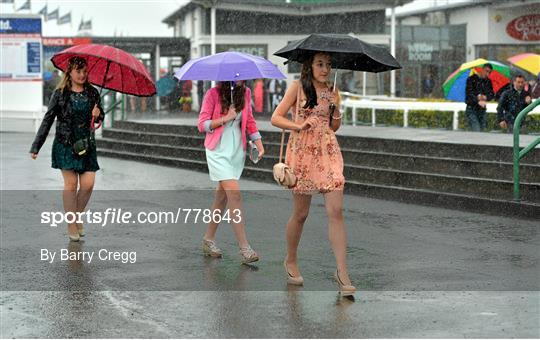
{"x": 290, "y": 7}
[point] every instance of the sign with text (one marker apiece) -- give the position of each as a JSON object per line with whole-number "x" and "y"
{"x": 20, "y": 48}
{"x": 420, "y": 52}
{"x": 258, "y": 50}
{"x": 525, "y": 28}
{"x": 66, "y": 41}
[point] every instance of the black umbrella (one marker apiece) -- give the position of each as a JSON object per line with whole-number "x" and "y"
{"x": 347, "y": 52}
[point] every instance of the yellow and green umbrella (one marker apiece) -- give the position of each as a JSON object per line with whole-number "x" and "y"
{"x": 529, "y": 62}
{"x": 454, "y": 86}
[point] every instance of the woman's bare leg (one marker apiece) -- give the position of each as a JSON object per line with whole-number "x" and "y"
{"x": 234, "y": 200}
{"x": 220, "y": 202}
{"x": 86, "y": 186}
{"x": 294, "y": 229}
{"x": 69, "y": 197}
{"x": 337, "y": 233}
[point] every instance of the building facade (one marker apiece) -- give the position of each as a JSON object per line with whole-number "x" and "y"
{"x": 263, "y": 27}
{"x": 433, "y": 42}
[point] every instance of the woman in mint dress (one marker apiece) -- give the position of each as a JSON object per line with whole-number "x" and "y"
{"x": 227, "y": 122}
{"x": 226, "y": 161}
{"x": 75, "y": 104}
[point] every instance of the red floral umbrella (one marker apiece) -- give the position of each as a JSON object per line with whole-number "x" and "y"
{"x": 110, "y": 68}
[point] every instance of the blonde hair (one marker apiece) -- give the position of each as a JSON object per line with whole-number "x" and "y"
{"x": 75, "y": 63}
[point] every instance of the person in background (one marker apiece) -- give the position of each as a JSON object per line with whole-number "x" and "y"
{"x": 427, "y": 85}
{"x": 272, "y": 88}
{"x": 200, "y": 91}
{"x": 478, "y": 92}
{"x": 512, "y": 102}
{"x": 535, "y": 87}
{"x": 258, "y": 95}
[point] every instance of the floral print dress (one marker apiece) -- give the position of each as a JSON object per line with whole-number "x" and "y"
{"x": 314, "y": 154}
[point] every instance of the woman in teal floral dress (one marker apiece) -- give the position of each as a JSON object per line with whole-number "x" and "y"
{"x": 76, "y": 106}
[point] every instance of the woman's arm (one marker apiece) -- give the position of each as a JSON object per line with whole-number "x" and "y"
{"x": 205, "y": 115}
{"x": 279, "y": 117}
{"x": 47, "y": 122}
{"x": 101, "y": 115}
{"x": 251, "y": 127}
{"x": 206, "y": 123}
{"x": 336, "y": 123}
{"x": 251, "y": 124}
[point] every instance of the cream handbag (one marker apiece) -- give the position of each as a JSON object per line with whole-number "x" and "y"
{"x": 283, "y": 174}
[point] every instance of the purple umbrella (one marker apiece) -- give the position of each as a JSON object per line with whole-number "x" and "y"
{"x": 228, "y": 66}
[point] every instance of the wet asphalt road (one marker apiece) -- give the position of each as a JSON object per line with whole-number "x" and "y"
{"x": 420, "y": 271}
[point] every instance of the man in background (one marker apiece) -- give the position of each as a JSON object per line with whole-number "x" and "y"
{"x": 512, "y": 102}
{"x": 478, "y": 92}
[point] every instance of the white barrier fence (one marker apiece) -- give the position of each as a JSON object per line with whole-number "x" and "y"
{"x": 35, "y": 117}
{"x": 407, "y": 106}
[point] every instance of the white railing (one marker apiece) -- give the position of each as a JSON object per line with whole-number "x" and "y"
{"x": 406, "y": 106}
{"x": 34, "y": 116}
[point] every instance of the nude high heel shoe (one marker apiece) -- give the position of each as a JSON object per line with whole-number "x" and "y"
{"x": 344, "y": 290}
{"x": 293, "y": 280}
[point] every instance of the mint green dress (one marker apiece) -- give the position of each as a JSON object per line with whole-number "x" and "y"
{"x": 63, "y": 156}
{"x": 227, "y": 160}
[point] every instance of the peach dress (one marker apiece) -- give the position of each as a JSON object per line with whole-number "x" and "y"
{"x": 314, "y": 154}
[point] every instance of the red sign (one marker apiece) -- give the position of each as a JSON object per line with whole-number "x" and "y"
{"x": 66, "y": 41}
{"x": 525, "y": 28}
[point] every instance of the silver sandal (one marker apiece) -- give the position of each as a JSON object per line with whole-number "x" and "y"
{"x": 248, "y": 255}
{"x": 210, "y": 249}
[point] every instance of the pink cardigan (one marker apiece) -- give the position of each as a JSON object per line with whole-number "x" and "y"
{"x": 211, "y": 109}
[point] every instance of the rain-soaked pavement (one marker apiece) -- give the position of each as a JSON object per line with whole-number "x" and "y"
{"x": 420, "y": 271}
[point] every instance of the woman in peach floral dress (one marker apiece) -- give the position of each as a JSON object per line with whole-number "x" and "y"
{"x": 315, "y": 157}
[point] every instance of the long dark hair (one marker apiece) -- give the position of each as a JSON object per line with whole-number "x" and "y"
{"x": 306, "y": 78}
{"x": 74, "y": 63}
{"x": 238, "y": 96}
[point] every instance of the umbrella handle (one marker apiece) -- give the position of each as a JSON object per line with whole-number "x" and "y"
{"x": 92, "y": 126}
{"x": 232, "y": 89}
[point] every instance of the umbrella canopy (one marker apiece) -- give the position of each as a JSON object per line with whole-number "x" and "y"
{"x": 454, "y": 86}
{"x": 110, "y": 68}
{"x": 228, "y": 66}
{"x": 529, "y": 62}
{"x": 166, "y": 85}
{"x": 347, "y": 52}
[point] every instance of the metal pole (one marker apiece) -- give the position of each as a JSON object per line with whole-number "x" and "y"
{"x": 123, "y": 107}
{"x": 515, "y": 158}
{"x": 157, "y": 64}
{"x": 213, "y": 30}
{"x": 213, "y": 33}
{"x": 393, "y": 52}
{"x": 364, "y": 74}
{"x": 113, "y": 103}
